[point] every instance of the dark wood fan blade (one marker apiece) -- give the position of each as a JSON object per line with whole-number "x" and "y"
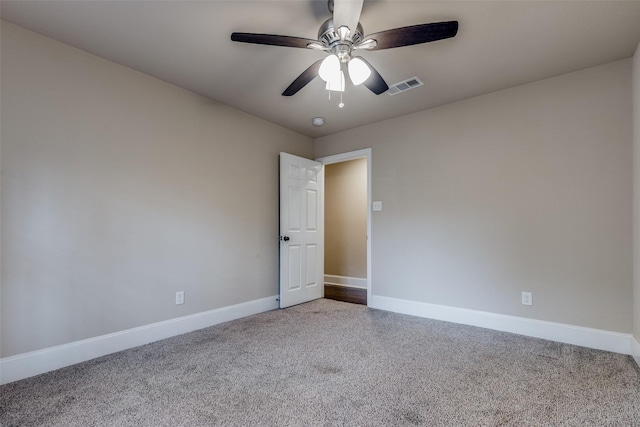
{"x": 303, "y": 79}
{"x": 413, "y": 34}
{"x": 375, "y": 83}
{"x": 271, "y": 39}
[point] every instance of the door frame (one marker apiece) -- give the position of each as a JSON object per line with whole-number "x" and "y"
{"x": 353, "y": 155}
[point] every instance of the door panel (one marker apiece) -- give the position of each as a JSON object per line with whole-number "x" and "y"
{"x": 301, "y": 230}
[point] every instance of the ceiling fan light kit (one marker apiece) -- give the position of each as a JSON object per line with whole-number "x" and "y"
{"x": 337, "y": 38}
{"x": 329, "y": 68}
{"x": 358, "y": 71}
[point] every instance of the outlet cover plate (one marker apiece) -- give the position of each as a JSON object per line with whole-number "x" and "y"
{"x": 527, "y": 298}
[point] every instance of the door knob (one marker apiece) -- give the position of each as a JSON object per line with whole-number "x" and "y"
{"x": 285, "y": 238}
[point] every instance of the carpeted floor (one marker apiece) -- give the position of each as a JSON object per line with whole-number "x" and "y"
{"x": 328, "y": 363}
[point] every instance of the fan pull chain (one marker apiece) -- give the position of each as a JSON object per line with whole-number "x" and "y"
{"x": 343, "y": 85}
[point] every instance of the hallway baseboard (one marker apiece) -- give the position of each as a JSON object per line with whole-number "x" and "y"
{"x": 354, "y": 282}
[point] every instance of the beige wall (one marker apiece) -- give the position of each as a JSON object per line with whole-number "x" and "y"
{"x": 345, "y": 219}
{"x": 119, "y": 190}
{"x": 526, "y": 189}
{"x": 636, "y": 194}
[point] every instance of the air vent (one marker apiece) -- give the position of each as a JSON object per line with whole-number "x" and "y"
{"x": 404, "y": 86}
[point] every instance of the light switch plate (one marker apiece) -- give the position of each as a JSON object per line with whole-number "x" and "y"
{"x": 377, "y": 206}
{"x": 179, "y": 297}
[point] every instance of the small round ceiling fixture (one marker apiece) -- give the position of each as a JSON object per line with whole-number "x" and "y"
{"x": 318, "y": 121}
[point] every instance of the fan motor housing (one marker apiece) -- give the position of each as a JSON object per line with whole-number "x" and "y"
{"x": 328, "y": 36}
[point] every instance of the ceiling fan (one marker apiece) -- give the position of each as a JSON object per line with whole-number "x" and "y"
{"x": 341, "y": 36}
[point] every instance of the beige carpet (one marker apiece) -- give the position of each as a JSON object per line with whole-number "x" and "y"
{"x": 329, "y": 363}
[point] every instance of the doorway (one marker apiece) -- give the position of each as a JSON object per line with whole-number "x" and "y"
{"x": 347, "y": 217}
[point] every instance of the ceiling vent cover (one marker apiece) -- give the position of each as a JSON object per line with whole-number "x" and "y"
{"x": 404, "y": 86}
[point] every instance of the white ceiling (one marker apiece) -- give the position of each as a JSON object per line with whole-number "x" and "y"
{"x": 499, "y": 44}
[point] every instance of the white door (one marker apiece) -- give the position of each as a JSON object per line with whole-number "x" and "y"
{"x": 301, "y": 230}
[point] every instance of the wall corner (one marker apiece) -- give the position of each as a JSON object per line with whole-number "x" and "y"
{"x": 636, "y": 201}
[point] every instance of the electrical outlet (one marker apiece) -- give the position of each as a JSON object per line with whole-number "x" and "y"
{"x": 179, "y": 297}
{"x": 527, "y": 298}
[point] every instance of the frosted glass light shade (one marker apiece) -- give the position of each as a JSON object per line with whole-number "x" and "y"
{"x": 359, "y": 72}
{"x": 337, "y": 84}
{"x": 330, "y": 68}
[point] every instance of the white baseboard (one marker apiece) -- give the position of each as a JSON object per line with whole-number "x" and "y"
{"x": 635, "y": 350}
{"x": 26, "y": 365}
{"x": 350, "y": 282}
{"x": 569, "y": 334}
